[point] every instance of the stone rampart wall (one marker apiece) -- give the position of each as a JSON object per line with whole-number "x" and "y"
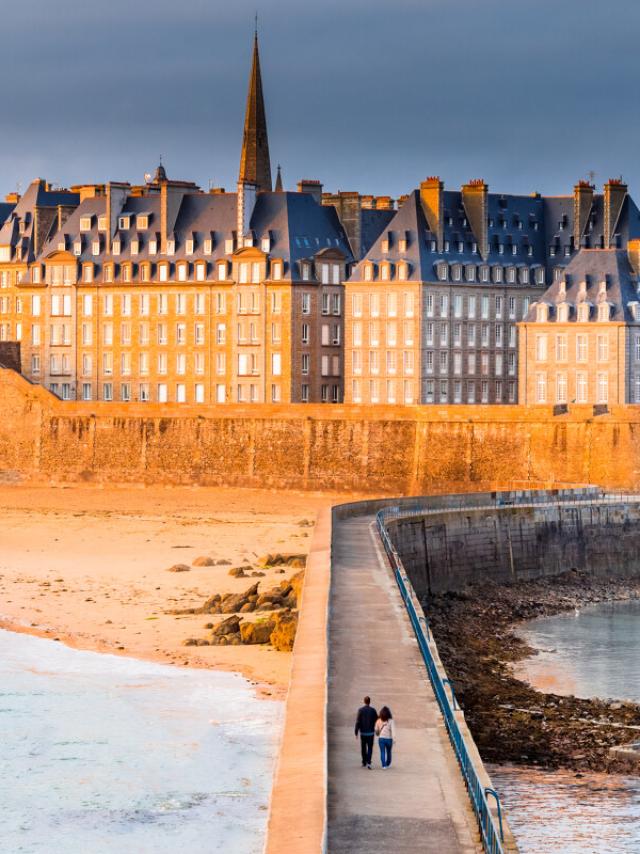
{"x": 444, "y": 551}
{"x": 382, "y": 450}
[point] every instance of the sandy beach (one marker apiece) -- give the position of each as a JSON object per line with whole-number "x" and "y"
{"x": 89, "y": 566}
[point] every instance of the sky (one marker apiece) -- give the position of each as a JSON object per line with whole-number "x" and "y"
{"x": 366, "y": 95}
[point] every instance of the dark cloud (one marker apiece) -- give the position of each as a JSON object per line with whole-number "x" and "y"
{"x": 363, "y": 95}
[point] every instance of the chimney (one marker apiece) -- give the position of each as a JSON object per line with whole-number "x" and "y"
{"x": 349, "y": 207}
{"x": 384, "y": 203}
{"x": 247, "y": 192}
{"x": 633, "y": 251}
{"x": 582, "y": 202}
{"x": 116, "y": 196}
{"x": 312, "y": 187}
{"x": 615, "y": 192}
{"x": 12, "y": 198}
{"x": 432, "y": 198}
{"x": 475, "y": 196}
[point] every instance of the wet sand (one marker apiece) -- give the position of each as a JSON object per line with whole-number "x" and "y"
{"x": 89, "y": 566}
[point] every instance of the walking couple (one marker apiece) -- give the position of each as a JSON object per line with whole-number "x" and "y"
{"x": 369, "y": 724}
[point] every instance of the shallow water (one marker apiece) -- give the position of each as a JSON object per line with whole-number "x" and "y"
{"x": 588, "y": 654}
{"x": 595, "y": 652}
{"x": 102, "y": 754}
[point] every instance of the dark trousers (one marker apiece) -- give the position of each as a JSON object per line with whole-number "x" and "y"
{"x": 366, "y": 746}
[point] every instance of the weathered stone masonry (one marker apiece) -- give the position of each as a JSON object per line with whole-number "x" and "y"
{"x": 378, "y": 449}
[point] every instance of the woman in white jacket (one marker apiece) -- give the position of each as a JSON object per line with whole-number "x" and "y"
{"x": 386, "y": 732}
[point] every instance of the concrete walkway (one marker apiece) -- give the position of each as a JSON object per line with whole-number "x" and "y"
{"x": 420, "y": 803}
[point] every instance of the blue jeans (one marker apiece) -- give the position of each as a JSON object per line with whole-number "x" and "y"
{"x": 385, "y": 751}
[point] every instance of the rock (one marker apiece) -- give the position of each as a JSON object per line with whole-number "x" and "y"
{"x": 179, "y": 567}
{"x": 297, "y": 583}
{"x": 306, "y": 523}
{"x": 284, "y": 632}
{"x": 268, "y": 599}
{"x": 222, "y": 562}
{"x": 258, "y": 574}
{"x": 190, "y": 642}
{"x": 203, "y": 561}
{"x": 237, "y": 572}
{"x": 234, "y": 602}
{"x": 258, "y": 632}
{"x": 209, "y": 625}
{"x": 212, "y": 605}
{"x": 202, "y": 642}
{"x": 227, "y": 627}
{"x": 278, "y": 559}
{"x": 248, "y": 607}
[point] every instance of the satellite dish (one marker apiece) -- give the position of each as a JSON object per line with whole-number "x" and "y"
{"x": 147, "y": 177}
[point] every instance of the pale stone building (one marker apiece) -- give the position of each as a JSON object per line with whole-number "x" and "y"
{"x": 580, "y": 342}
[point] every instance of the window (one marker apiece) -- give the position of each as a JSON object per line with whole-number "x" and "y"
{"x": 144, "y": 304}
{"x": 541, "y": 348}
{"x": 581, "y": 387}
{"x": 602, "y": 394}
{"x": 163, "y": 363}
{"x": 409, "y": 305}
{"x": 471, "y": 307}
{"x": 304, "y": 393}
{"x": 356, "y": 302}
{"x": 484, "y": 391}
{"x": 541, "y": 388}
{"x": 183, "y": 270}
{"x": 181, "y": 333}
{"x": 162, "y": 333}
{"x": 222, "y": 271}
{"x": 181, "y": 393}
{"x": 471, "y": 363}
{"x": 305, "y": 333}
{"x": 181, "y": 303}
{"x": 581, "y": 348}
{"x": 162, "y": 392}
{"x": 561, "y": 348}
{"x": 457, "y": 305}
{"x": 408, "y": 391}
{"x": 498, "y": 364}
{"x": 602, "y": 349}
{"x": 305, "y": 362}
{"x": 181, "y": 364}
{"x": 221, "y": 363}
{"x": 276, "y": 364}
{"x": 87, "y": 334}
{"x": 221, "y": 333}
{"x": 561, "y": 388}
{"x": 306, "y": 302}
{"x": 199, "y": 333}
{"x": 429, "y": 391}
{"x": 163, "y": 272}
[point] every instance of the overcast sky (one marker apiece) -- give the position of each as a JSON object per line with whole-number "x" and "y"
{"x": 367, "y": 95}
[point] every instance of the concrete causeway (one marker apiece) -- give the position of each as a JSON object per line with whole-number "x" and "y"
{"x": 420, "y": 803}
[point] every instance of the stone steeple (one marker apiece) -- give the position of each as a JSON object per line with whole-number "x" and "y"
{"x": 255, "y": 166}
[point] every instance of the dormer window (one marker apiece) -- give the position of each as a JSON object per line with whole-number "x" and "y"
{"x": 126, "y": 272}
{"x": 403, "y": 271}
{"x": 456, "y": 272}
{"x": 434, "y": 245}
{"x": 108, "y": 272}
{"x": 524, "y": 276}
{"x": 583, "y": 312}
{"x": 145, "y": 272}
{"x": 443, "y": 272}
{"x": 35, "y": 274}
{"x": 142, "y": 222}
{"x": 183, "y": 272}
{"x": 500, "y": 248}
{"x": 276, "y": 270}
{"x": 402, "y": 244}
{"x": 228, "y": 246}
{"x": 87, "y": 273}
{"x": 460, "y": 246}
{"x": 266, "y": 245}
{"x": 201, "y": 271}
{"x": 446, "y": 246}
{"x": 474, "y": 248}
{"x": 385, "y": 272}
{"x": 124, "y": 222}
{"x": 153, "y": 246}
{"x": 77, "y": 247}
{"x": 171, "y": 246}
{"x": 471, "y": 272}
{"x": 116, "y": 246}
{"x": 305, "y": 272}
{"x": 604, "y": 311}
{"x": 563, "y": 313}
{"x": 95, "y": 247}
{"x": 222, "y": 271}
{"x": 85, "y": 223}
{"x": 484, "y": 274}
{"x": 163, "y": 272}
{"x": 102, "y": 222}
{"x": 514, "y": 248}
{"x": 497, "y": 274}
{"x": 540, "y": 276}
{"x": 552, "y": 251}
{"x": 208, "y": 246}
{"x": 190, "y": 246}
{"x": 530, "y": 250}
{"x": 511, "y": 274}
{"x": 542, "y": 312}
{"x": 135, "y": 246}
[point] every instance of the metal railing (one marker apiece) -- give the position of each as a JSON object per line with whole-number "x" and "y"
{"x": 492, "y": 836}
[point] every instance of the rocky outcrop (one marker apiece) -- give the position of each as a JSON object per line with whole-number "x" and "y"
{"x": 296, "y": 561}
{"x": 203, "y": 561}
{"x": 258, "y": 632}
{"x": 284, "y": 631}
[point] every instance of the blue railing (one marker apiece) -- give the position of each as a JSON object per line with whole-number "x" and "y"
{"x": 492, "y": 836}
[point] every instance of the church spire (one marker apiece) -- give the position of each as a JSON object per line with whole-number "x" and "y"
{"x": 255, "y": 167}
{"x": 279, "y": 180}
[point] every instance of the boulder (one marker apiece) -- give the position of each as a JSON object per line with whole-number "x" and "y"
{"x": 297, "y": 583}
{"x": 284, "y": 632}
{"x": 222, "y": 562}
{"x": 212, "y": 605}
{"x": 258, "y": 632}
{"x": 237, "y": 572}
{"x": 227, "y": 627}
{"x": 248, "y": 607}
{"x": 179, "y": 567}
{"x": 232, "y": 603}
{"x": 268, "y": 599}
{"x": 294, "y": 560}
{"x": 203, "y": 561}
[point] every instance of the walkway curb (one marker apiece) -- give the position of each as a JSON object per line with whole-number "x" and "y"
{"x": 298, "y": 808}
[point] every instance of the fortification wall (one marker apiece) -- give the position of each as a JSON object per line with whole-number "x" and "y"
{"x": 444, "y": 551}
{"x": 384, "y": 450}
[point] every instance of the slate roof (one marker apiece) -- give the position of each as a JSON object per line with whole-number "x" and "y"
{"x": 526, "y": 221}
{"x": 594, "y": 266}
{"x": 18, "y": 228}
{"x": 5, "y": 210}
{"x": 297, "y": 225}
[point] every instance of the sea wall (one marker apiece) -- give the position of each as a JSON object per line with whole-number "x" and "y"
{"x": 382, "y": 450}
{"x": 444, "y": 551}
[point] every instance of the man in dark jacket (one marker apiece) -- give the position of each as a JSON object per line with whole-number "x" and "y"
{"x": 365, "y": 724}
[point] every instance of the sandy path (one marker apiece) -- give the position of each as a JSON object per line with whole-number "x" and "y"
{"x": 88, "y": 565}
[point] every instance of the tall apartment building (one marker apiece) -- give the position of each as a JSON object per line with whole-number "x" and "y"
{"x": 162, "y": 292}
{"x": 432, "y": 309}
{"x": 580, "y": 342}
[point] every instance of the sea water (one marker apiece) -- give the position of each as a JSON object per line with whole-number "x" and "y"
{"x": 101, "y": 754}
{"x": 593, "y": 652}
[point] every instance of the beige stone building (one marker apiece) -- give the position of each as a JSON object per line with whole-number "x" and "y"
{"x": 580, "y": 342}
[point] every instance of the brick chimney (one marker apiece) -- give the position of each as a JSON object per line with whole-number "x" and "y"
{"x": 312, "y": 187}
{"x": 349, "y": 207}
{"x": 582, "y": 202}
{"x": 432, "y": 198}
{"x": 475, "y": 197}
{"x": 615, "y": 192}
{"x": 116, "y": 197}
{"x": 633, "y": 251}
